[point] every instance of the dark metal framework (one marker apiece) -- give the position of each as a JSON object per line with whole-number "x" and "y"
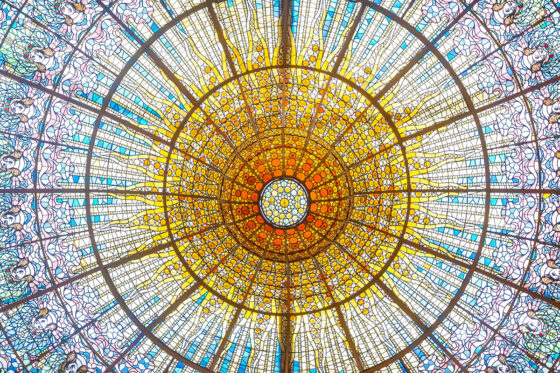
{"x": 146, "y": 331}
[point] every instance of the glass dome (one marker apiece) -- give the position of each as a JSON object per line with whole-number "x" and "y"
{"x": 287, "y": 186}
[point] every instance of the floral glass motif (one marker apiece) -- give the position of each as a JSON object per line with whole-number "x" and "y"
{"x": 284, "y": 202}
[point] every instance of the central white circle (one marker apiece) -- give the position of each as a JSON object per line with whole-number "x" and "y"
{"x": 284, "y": 202}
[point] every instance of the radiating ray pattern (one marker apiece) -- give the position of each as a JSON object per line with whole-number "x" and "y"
{"x": 140, "y": 139}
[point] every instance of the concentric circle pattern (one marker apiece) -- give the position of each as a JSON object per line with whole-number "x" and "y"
{"x": 285, "y": 156}
{"x": 279, "y": 186}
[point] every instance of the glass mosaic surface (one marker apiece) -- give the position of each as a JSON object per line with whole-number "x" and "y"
{"x": 283, "y": 202}
{"x": 140, "y": 139}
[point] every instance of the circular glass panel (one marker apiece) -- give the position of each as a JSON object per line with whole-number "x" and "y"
{"x": 284, "y": 202}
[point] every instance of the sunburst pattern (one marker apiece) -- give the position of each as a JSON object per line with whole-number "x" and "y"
{"x": 279, "y": 186}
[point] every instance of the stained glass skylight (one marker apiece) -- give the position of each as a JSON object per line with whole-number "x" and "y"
{"x": 283, "y": 186}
